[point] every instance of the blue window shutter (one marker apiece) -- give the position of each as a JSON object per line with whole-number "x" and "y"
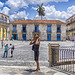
{"x": 36, "y": 28}
{"x": 14, "y": 28}
{"x": 25, "y": 28}
{"x": 59, "y": 27}
{"x": 12, "y": 36}
{"x": 49, "y": 28}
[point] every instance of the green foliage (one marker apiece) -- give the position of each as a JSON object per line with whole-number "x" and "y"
{"x": 41, "y": 10}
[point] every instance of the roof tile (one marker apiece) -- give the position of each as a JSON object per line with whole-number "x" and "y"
{"x": 36, "y": 21}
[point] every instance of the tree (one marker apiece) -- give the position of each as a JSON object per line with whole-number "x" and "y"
{"x": 41, "y": 10}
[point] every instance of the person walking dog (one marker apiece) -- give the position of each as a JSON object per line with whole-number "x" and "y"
{"x": 35, "y": 46}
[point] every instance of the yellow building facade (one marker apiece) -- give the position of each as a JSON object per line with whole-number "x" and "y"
{"x": 4, "y": 21}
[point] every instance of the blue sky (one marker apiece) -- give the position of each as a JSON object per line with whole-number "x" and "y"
{"x": 54, "y": 9}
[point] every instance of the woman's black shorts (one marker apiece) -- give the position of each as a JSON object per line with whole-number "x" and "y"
{"x": 11, "y": 52}
{"x": 36, "y": 55}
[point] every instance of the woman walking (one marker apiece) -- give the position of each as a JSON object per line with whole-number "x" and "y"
{"x": 35, "y": 42}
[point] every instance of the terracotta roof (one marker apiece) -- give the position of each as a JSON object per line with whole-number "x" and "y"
{"x": 36, "y": 21}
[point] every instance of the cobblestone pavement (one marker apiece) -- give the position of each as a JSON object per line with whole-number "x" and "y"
{"x": 12, "y": 70}
{"x": 24, "y": 56}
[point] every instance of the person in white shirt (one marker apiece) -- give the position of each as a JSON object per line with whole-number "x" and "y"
{"x": 12, "y": 49}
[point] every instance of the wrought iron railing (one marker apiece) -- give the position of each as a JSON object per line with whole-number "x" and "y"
{"x": 65, "y": 60}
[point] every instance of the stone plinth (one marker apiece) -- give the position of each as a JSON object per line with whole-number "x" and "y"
{"x": 53, "y": 58}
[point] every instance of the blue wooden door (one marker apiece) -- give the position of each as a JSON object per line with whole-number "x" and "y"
{"x": 12, "y": 36}
{"x": 48, "y": 37}
{"x": 58, "y": 37}
{"x": 24, "y": 36}
{"x": 16, "y": 36}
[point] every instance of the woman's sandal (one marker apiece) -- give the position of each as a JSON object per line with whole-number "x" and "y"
{"x": 37, "y": 70}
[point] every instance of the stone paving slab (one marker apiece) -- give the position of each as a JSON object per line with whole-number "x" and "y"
{"x": 25, "y": 70}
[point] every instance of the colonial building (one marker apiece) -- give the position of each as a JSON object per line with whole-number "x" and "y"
{"x": 4, "y": 21}
{"x": 45, "y": 29}
{"x": 70, "y": 25}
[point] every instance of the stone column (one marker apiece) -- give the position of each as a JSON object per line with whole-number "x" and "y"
{"x": 43, "y": 31}
{"x": 30, "y": 28}
{"x": 10, "y": 31}
{"x": 56, "y": 55}
{"x": 54, "y": 32}
{"x": 19, "y": 31}
{"x": 63, "y": 32}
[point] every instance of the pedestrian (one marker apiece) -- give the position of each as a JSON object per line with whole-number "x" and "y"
{"x": 6, "y": 50}
{"x": 36, "y": 43}
{"x": 22, "y": 39}
{"x": 12, "y": 49}
{"x": 2, "y": 43}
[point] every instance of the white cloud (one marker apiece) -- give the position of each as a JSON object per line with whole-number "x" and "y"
{"x": 21, "y": 14}
{"x": 5, "y": 10}
{"x": 43, "y": 1}
{"x": 71, "y": 10}
{"x": 17, "y": 4}
{"x": 1, "y": 4}
{"x": 52, "y": 13}
{"x": 34, "y": 8}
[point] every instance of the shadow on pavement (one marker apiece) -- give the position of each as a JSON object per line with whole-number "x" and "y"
{"x": 29, "y": 70}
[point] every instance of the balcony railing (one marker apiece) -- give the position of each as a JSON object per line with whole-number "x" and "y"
{"x": 24, "y": 31}
{"x": 71, "y": 29}
{"x": 14, "y": 31}
{"x": 73, "y": 20}
{"x": 2, "y": 22}
{"x": 58, "y": 31}
{"x": 36, "y": 31}
{"x": 48, "y": 31}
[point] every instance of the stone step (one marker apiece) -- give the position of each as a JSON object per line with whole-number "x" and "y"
{"x": 22, "y": 63}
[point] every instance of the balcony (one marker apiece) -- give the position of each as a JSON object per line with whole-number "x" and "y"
{"x": 24, "y": 31}
{"x": 48, "y": 31}
{"x": 15, "y": 31}
{"x": 71, "y": 21}
{"x": 58, "y": 31}
{"x": 35, "y": 31}
{"x": 2, "y": 22}
{"x": 71, "y": 29}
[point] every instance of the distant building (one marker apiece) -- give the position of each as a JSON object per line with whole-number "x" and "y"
{"x": 70, "y": 25}
{"x": 19, "y": 19}
{"x": 4, "y": 21}
{"x": 39, "y": 18}
{"x": 45, "y": 29}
